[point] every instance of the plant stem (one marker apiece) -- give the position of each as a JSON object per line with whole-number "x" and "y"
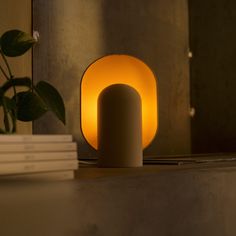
{"x": 14, "y": 89}
{"x": 6, "y": 121}
{"x": 4, "y": 73}
{"x": 13, "y": 120}
{"x": 10, "y": 73}
{"x": 14, "y": 123}
{"x": 5, "y": 60}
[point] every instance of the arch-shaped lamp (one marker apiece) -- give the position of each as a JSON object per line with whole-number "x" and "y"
{"x": 118, "y": 69}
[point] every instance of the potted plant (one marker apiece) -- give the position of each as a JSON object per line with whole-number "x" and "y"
{"x": 36, "y": 99}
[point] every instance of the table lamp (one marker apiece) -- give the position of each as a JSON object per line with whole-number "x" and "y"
{"x": 119, "y": 109}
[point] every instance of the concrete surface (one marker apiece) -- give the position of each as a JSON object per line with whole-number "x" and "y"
{"x": 77, "y": 32}
{"x": 190, "y": 202}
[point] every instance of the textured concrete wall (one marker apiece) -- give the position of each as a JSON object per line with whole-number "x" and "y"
{"x": 17, "y": 15}
{"x": 213, "y": 78}
{"x": 75, "y": 34}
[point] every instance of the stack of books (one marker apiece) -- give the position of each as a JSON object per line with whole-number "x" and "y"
{"x": 52, "y": 157}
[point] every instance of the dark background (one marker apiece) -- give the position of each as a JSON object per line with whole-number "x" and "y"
{"x": 213, "y": 77}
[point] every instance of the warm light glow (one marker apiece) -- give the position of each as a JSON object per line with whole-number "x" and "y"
{"x": 118, "y": 69}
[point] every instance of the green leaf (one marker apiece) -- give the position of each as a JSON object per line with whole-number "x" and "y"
{"x": 9, "y": 103}
{"x": 1, "y": 96}
{"x": 52, "y": 99}
{"x": 22, "y": 81}
{"x": 2, "y": 131}
{"x": 10, "y": 108}
{"x": 29, "y": 106}
{"x": 5, "y": 114}
{"x": 15, "y": 43}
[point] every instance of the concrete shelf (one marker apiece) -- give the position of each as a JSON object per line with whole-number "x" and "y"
{"x": 152, "y": 200}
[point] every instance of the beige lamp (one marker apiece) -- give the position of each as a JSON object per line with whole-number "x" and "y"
{"x": 119, "y": 109}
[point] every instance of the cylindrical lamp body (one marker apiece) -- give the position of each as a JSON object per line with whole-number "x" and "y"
{"x": 120, "y": 127}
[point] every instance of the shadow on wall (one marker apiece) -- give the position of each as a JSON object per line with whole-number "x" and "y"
{"x": 157, "y": 33}
{"x": 213, "y": 82}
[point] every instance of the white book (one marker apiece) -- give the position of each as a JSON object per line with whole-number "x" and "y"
{"x": 43, "y": 176}
{"x": 40, "y": 166}
{"x": 37, "y": 156}
{"x": 35, "y": 138}
{"x": 37, "y": 147}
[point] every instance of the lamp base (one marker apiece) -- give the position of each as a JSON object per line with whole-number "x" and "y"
{"x": 120, "y": 127}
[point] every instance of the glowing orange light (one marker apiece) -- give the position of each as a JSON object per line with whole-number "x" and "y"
{"x": 118, "y": 69}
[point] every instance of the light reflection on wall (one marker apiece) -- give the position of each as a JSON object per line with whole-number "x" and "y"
{"x": 122, "y": 69}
